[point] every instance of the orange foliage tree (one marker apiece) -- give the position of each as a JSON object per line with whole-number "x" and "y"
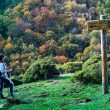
{"x": 61, "y": 59}
{"x": 49, "y": 48}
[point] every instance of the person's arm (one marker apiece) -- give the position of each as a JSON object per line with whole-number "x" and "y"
{"x": 9, "y": 70}
{"x": 4, "y": 70}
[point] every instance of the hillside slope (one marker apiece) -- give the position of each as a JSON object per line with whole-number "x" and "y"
{"x": 59, "y": 94}
{"x": 30, "y": 29}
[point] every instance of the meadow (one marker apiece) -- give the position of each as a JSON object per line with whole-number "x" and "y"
{"x": 57, "y": 94}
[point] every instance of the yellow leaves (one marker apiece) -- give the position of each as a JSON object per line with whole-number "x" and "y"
{"x": 28, "y": 2}
{"x": 81, "y": 6}
{"x": 9, "y": 46}
{"x": 51, "y": 43}
{"x": 97, "y": 47}
{"x": 87, "y": 50}
{"x": 42, "y": 49}
{"x": 17, "y": 19}
{"x": 18, "y": 7}
{"x": 70, "y": 5}
{"x": 79, "y": 56}
{"x": 15, "y": 56}
{"x": 25, "y": 63}
{"x": 47, "y": 47}
{"x": 49, "y": 33}
{"x": 26, "y": 11}
{"x": 81, "y": 21}
{"x": 27, "y": 55}
{"x": 21, "y": 59}
{"x": 52, "y": 13}
{"x": 39, "y": 35}
{"x": 64, "y": 19}
{"x": 48, "y": 2}
{"x": 27, "y": 14}
{"x": 15, "y": 63}
{"x": 2, "y": 43}
{"x": 23, "y": 56}
{"x": 8, "y": 40}
{"x": 25, "y": 8}
{"x": 37, "y": 1}
{"x": 30, "y": 55}
{"x": 68, "y": 21}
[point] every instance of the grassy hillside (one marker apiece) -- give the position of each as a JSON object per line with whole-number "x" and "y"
{"x": 59, "y": 94}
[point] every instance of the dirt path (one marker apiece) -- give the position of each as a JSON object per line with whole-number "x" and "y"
{"x": 66, "y": 75}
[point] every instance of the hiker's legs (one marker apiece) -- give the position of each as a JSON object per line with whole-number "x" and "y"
{"x": 1, "y": 86}
{"x": 11, "y": 88}
{"x": 11, "y": 85}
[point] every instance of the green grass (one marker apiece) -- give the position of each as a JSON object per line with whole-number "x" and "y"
{"x": 60, "y": 94}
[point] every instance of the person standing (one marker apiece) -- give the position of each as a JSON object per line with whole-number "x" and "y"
{"x": 4, "y": 78}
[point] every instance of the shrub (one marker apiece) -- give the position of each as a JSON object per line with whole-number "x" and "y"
{"x": 91, "y": 71}
{"x": 91, "y": 74}
{"x": 60, "y": 68}
{"x": 41, "y": 69}
{"x": 92, "y": 60}
{"x": 70, "y": 67}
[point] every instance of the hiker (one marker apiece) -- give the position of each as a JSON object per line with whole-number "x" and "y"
{"x": 4, "y": 78}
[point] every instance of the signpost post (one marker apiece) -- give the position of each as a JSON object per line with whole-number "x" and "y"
{"x": 102, "y": 25}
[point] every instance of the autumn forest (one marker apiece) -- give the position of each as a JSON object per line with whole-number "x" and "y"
{"x": 52, "y": 29}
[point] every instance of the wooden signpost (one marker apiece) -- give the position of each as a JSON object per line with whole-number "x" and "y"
{"x": 102, "y": 25}
{"x": 99, "y": 25}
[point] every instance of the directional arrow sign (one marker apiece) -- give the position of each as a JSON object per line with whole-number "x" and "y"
{"x": 98, "y": 25}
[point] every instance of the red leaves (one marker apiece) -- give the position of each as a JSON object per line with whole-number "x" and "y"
{"x": 23, "y": 24}
{"x": 61, "y": 59}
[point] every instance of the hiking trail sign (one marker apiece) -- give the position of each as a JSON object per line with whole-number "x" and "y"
{"x": 103, "y": 24}
{"x": 98, "y": 25}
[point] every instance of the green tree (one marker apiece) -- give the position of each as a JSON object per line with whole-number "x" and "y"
{"x": 107, "y": 7}
{"x": 4, "y": 25}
